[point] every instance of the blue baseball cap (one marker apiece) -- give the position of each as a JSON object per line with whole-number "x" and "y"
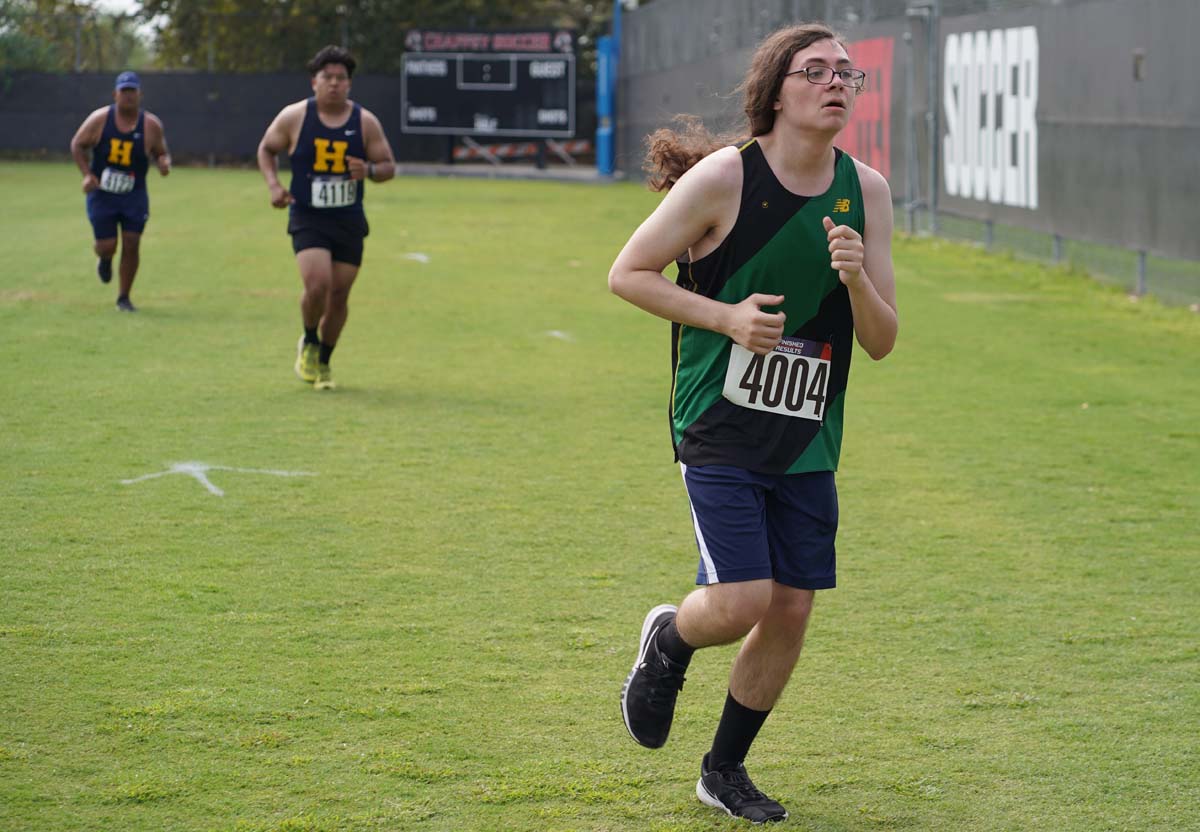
{"x": 128, "y": 80}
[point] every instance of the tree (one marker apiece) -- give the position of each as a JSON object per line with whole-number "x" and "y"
{"x": 64, "y": 36}
{"x": 274, "y": 35}
{"x": 19, "y": 49}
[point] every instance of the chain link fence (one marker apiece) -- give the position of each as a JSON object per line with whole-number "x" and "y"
{"x": 1173, "y": 281}
{"x": 1137, "y": 272}
{"x": 1115, "y": 190}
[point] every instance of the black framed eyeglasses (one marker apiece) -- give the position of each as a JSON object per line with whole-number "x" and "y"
{"x": 824, "y": 75}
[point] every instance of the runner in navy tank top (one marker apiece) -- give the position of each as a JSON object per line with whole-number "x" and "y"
{"x": 785, "y": 250}
{"x": 112, "y": 149}
{"x": 335, "y": 145}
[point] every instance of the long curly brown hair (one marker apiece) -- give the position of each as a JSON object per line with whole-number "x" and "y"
{"x": 672, "y": 152}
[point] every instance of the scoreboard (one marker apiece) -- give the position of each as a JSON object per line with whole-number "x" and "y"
{"x": 489, "y": 84}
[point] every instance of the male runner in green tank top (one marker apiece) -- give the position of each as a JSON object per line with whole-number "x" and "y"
{"x": 784, "y": 245}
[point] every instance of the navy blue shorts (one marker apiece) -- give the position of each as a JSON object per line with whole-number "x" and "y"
{"x": 751, "y": 526}
{"x": 106, "y": 211}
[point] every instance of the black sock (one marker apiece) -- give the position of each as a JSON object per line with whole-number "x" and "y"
{"x": 326, "y": 352}
{"x": 672, "y": 644}
{"x": 738, "y": 727}
{"x": 310, "y": 336}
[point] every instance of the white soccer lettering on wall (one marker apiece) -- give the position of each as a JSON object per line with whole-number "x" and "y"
{"x": 990, "y": 88}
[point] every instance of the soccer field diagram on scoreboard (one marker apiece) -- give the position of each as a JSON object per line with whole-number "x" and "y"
{"x": 456, "y": 83}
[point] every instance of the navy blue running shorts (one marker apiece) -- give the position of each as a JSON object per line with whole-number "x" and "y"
{"x": 106, "y": 211}
{"x": 751, "y": 526}
{"x": 342, "y": 234}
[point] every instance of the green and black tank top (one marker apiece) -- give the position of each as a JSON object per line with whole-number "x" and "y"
{"x": 778, "y": 246}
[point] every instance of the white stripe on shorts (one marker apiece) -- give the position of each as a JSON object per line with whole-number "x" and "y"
{"x": 710, "y": 568}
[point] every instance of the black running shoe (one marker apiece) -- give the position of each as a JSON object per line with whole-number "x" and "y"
{"x": 104, "y": 270}
{"x": 731, "y": 790}
{"x": 648, "y": 697}
{"x": 125, "y": 305}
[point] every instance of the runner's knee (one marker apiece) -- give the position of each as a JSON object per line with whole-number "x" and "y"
{"x": 791, "y": 606}
{"x": 339, "y": 296}
{"x": 743, "y": 605}
{"x": 316, "y": 287}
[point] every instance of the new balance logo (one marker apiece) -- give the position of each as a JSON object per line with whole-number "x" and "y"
{"x": 841, "y": 206}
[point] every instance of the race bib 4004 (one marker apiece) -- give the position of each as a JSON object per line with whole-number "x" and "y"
{"x": 116, "y": 181}
{"x": 791, "y": 380}
{"x": 333, "y": 192}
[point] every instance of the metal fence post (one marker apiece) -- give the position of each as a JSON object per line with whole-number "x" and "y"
{"x": 79, "y": 43}
{"x": 1141, "y": 273}
{"x": 935, "y": 17}
{"x": 910, "y": 139}
{"x": 1057, "y": 248}
{"x": 212, "y": 46}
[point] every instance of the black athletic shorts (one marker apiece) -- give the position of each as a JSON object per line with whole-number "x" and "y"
{"x": 342, "y": 233}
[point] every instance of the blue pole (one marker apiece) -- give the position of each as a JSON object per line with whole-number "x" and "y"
{"x": 605, "y": 67}
{"x": 608, "y": 59}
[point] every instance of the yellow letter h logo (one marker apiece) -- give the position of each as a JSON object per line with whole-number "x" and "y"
{"x": 120, "y": 152}
{"x": 331, "y": 160}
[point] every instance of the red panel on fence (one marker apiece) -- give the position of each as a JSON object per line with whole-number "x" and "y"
{"x": 868, "y": 137}
{"x": 517, "y": 150}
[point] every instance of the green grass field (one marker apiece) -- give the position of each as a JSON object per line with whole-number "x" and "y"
{"x": 431, "y": 630}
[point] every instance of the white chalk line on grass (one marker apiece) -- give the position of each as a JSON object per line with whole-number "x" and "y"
{"x": 419, "y": 256}
{"x": 199, "y": 472}
{"x": 560, "y": 335}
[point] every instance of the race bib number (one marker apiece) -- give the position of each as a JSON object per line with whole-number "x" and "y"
{"x": 791, "y": 380}
{"x": 330, "y": 192}
{"x": 116, "y": 181}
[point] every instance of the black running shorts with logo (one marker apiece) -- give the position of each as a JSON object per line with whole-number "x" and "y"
{"x": 751, "y": 526}
{"x": 342, "y": 233}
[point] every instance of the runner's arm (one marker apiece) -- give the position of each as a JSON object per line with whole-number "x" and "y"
{"x": 380, "y": 165}
{"x": 85, "y": 138}
{"x": 873, "y": 289}
{"x": 158, "y": 143}
{"x": 276, "y": 140}
{"x": 689, "y": 211}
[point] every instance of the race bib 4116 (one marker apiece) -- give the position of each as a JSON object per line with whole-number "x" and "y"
{"x": 791, "y": 380}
